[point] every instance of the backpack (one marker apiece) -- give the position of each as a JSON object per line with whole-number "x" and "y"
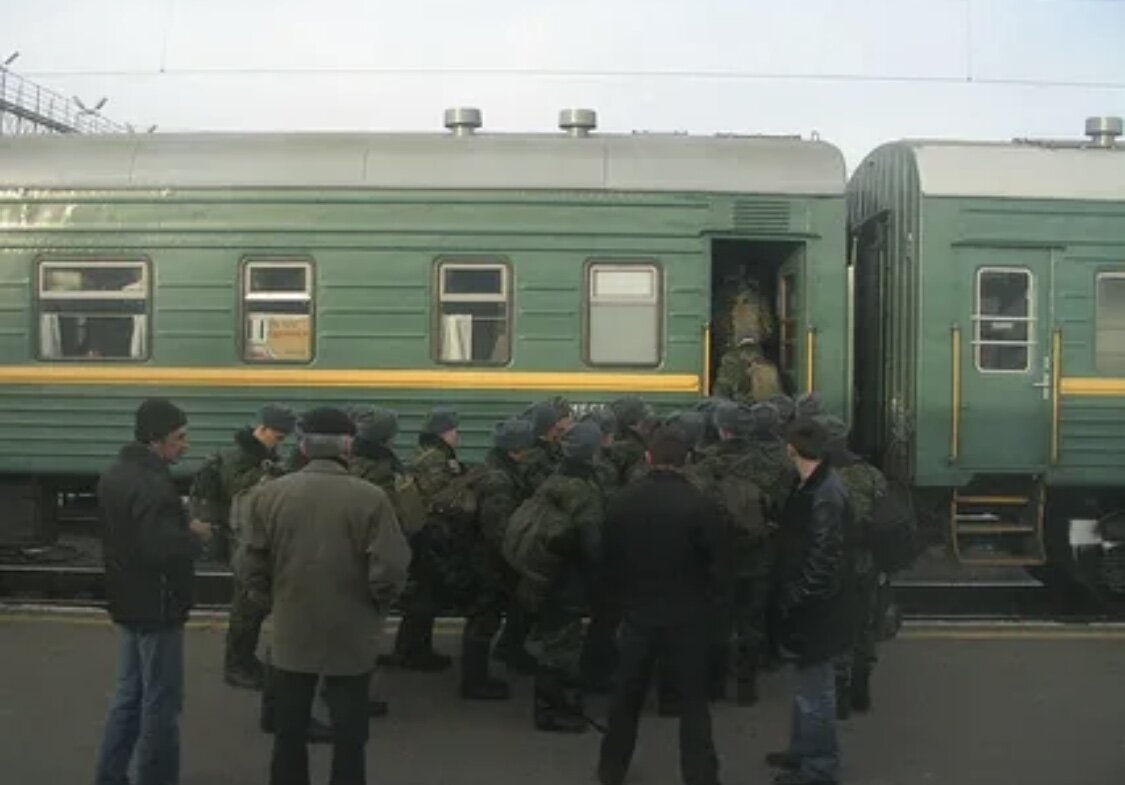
{"x": 409, "y": 505}
{"x": 530, "y": 540}
{"x": 743, "y": 500}
{"x": 459, "y": 499}
{"x": 893, "y": 532}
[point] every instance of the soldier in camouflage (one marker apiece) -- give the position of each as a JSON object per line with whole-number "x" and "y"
{"x": 558, "y": 705}
{"x": 501, "y": 489}
{"x": 808, "y": 404}
{"x": 746, "y": 375}
{"x": 428, "y": 589}
{"x": 233, "y": 471}
{"x": 548, "y": 425}
{"x": 786, "y": 409}
{"x": 863, "y": 482}
{"x": 604, "y": 469}
{"x": 627, "y": 453}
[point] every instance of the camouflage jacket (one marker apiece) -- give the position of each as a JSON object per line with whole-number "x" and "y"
{"x": 746, "y": 376}
{"x": 434, "y": 467}
{"x": 627, "y": 456}
{"x": 230, "y": 470}
{"x": 773, "y": 473}
{"x": 575, "y": 490}
{"x": 501, "y": 490}
{"x": 541, "y": 461}
{"x": 379, "y": 466}
{"x": 863, "y": 482}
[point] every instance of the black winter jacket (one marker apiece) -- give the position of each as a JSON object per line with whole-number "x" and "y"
{"x": 148, "y": 549}
{"x": 814, "y": 570}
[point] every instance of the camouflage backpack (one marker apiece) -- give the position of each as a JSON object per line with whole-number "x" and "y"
{"x": 531, "y": 538}
{"x": 733, "y": 486}
{"x": 893, "y": 532}
{"x": 459, "y": 499}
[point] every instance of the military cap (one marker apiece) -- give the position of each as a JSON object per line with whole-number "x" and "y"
{"x": 582, "y": 441}
{"x": 513, "y": 434}
{"x": 693, "y": 424}
{"x": 379, "y": 426}
{"x": 735, "y": 418}
{"x": 543, "y": 416}
{"x": 765, "y": 420}
{"x": 278, "y": 418}
{"x": 603, "y": 418}
{"x": 808, "y": 404}
{"x": 630, "y": 411}
{"x": 561, "y": 406}
{"x": 441, "y": 419}
{"x": 327, "y": 421}
{"x": 785, "y": 407}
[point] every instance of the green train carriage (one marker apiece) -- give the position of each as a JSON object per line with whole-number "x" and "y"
{"x": 990, "y": 344}
{"x": 482, "y": 270}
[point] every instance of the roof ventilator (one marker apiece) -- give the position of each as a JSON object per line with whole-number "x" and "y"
{"x": 1103, "y": 131}
{"x": 462, "y": 120}
{"x": 578, "y": 122}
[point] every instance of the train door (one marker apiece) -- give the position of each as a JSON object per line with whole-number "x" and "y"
{"x": 1002, "y": 385}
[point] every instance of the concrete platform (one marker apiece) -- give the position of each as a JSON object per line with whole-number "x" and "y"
{"x": 955, "y": 705}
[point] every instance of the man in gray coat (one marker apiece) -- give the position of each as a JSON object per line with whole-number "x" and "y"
{"x": 326, "y": 553}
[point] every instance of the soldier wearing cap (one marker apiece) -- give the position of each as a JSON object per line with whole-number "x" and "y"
{"x": 548, "y": 422}
{"x": 224, "y": 478}
{"x": 558, "y": 704}
{"x": 745, "y": 374}
{"x": 503, "y": 486}
{"x": 627, "y": 453}
{"x": 434, "y": 468}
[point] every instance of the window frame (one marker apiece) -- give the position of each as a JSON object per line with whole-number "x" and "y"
{"x": 246, "y": 298}
{"x": 147, "y": 295}
{"x": 438, "y": 297}
{"x": 1031, "y": 320}
{"x": 1118, "y": 274}
{"x": 788, "y": 324}
{"x": 588, "y": 305}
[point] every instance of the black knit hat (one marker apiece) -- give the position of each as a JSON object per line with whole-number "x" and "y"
{"x": 582, "y": 441}
{"x": 513, "y": 435}
{"x": 278, "y": 418}
{"x": 327, "y": 421}
{"x": 543, "y": 416}
{"x": 156, "y": 418}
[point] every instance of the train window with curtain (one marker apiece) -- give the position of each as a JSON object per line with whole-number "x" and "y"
{"x": 277, "y": 307}
{"x": 93, "y": 310}
{"x": 1004, "y": 319}
{"x": 623, "y": 324}
{"x": 1109, "y": 321}
{"x": 474, "y": 306}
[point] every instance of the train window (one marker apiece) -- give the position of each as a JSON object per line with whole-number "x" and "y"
{"x": 277, "y": 307}
{"x": 1004, "y": 318}
{"x": 1109, "y": 320}
{"x": 93, "y": 310}
{"x": 473, "y": 313}
{"x": 623, "y": 314}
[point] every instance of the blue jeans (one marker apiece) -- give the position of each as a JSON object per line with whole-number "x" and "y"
{"x": 813, "y": 732}
{"x": 144, "y": 712}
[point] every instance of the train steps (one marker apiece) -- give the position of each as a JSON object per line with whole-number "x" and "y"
{"x": 998, "y": 528}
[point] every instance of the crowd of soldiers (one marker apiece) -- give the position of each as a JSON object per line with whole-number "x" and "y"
{"x": 477, "y": 535}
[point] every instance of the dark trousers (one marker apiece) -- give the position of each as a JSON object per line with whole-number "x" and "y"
{"x": 682, "y": 647}
{"x": 346, "y": 697}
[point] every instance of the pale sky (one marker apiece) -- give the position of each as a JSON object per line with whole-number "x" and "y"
{"x": 857, "y": 72}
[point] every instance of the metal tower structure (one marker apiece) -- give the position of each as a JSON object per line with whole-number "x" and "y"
{"x": 29, "y": 108}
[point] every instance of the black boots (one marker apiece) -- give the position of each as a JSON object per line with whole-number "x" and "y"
{"x": 557, "y": 705}
{"x": 510, "y": 648}
{"x": 414, "y": 646}
{"x": 476, "y": 682}
{"x": 248, "y": 675}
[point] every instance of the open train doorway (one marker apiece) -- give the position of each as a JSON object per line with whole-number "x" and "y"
{"x": 755, "y": 292}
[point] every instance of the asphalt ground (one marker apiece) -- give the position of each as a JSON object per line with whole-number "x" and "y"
{"x": 955, "y": 703}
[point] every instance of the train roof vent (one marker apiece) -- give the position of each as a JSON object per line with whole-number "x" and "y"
{"x": 1103, "y": 131}
{"x": 578, "y": 122}
{"x": 462, "y": 120}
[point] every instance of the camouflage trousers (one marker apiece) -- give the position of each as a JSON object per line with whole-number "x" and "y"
{"x": 861, "y": 658}
{"x": 558, "y": 628}
{"x": 244, "y": 626}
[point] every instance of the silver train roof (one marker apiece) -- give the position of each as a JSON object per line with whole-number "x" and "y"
{"x": 599, "y": 162}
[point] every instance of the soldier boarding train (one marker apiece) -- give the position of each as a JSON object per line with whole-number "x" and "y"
{"x": 963, "y": 301}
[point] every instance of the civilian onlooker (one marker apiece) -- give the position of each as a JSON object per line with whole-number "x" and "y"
{"x": 149, "y": 552}
{"x": 326, "y": 553}
{"x": 814, "y": 596}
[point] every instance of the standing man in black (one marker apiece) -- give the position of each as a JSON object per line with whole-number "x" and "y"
{"x": 665, "y": 545}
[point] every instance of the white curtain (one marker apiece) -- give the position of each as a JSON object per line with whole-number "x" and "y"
{"x": 137, "y": 345}
{"x": 50, "y": 336}
{"x": 457, "y": 337}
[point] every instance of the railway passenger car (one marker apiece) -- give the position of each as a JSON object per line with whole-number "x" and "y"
{"x": 481, "y": 270}
{"x": 990, "y": 344}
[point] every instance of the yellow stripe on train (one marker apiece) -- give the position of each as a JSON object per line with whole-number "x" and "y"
{"x": 441, "y": 379}
{"x": 1091, "y": 386}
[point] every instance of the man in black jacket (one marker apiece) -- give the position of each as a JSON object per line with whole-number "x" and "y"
{"x": 149, "y": 553}
{"x": 813, "y": 596}
{"x": 665, "y": 545}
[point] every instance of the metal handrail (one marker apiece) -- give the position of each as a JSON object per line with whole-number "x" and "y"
{"x": 955, "y": 423}
{"x": 810, "y": 359}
